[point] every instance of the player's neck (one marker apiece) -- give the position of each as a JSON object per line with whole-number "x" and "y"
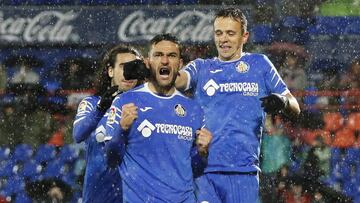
{"x": 236, "y": 56}
{"x": 161, "y": 90}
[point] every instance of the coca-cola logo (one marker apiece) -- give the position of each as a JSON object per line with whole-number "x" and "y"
{"x": 51, "y": 26}
{"x": 192, "y": 26}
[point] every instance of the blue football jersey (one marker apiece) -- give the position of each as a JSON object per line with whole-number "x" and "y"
{"x": 101, "y": 184}
{"x": 229, "y": 93}
{"x": 156, "y": 165}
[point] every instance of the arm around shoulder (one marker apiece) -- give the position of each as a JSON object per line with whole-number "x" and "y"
{"x": 181, "y": 80}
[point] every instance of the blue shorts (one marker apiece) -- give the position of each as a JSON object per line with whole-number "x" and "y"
{"x": 227, "y": 187}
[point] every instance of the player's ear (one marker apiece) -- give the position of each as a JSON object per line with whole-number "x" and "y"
{"x": 245, "y": 37}
{"x": 111, "y": 72}
{"x": 147, "y": 62}
{"x": 181, "y": 63}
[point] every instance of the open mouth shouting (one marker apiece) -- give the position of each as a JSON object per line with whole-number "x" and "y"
{"x": 164, "y": 72}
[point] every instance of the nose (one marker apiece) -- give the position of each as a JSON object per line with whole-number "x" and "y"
{"x": 223, "y": 38}
{"x": 164, "y": 60}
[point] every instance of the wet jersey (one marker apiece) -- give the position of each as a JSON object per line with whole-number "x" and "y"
{"x": 229, "y": 93}
{"x": 156, "y": 165}
{"x": 101, "y": 184}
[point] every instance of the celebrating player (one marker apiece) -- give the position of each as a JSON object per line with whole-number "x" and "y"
{"x": 155, "y": 127}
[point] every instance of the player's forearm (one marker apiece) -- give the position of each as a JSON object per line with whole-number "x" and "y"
{"x": 82, "y": 128}
{"x": 181, "y": 81}
{"x": 114, "y": 149}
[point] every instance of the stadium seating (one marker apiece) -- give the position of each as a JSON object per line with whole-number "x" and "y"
{"x": 9, "y": 168}
{"x": 310, "y": 136}
{"x": 262, "y": 34}
{"x": 31, "y": 170}
{"x": 333, "y": 121}
{"x": 45, "y": 153}
{"x": 354, "y": 121}
{"x": 14, "y": 185}
{"x": 4, "y": 153}
{"x": 22, "y": 152}
{"x": 293, "y": 29}
{"x": 344, "y": 138}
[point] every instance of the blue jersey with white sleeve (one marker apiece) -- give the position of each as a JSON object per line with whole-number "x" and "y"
{"x": 156, "y": 165}
{"x": 101, "y": 184}
{"x": 229, "y": 93}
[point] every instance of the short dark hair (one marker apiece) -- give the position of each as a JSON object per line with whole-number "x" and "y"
{"x": 103, "y": 81}
{"x": 234, "y": 13}
{"x": 166, "y": 37}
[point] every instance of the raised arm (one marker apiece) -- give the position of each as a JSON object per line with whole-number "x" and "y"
{"x": 86, "y": 120}
{"x": 181, "y": 80}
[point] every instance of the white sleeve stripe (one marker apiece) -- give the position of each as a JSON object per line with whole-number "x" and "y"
{"x": 107, "y": 138}
{"x": 116, "y": 98}
{"x": 273, "y": 76}
{"x": 77, "y": 120}
{"x": 188, "y": 80}
{"x": 285, "y": 92}
{"x": 277, "y": 82}
{"x": 110, "y": 126}
{"x": 83, "y": 112}
{"x": 91, "y": 106}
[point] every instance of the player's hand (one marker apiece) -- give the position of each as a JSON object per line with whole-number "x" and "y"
{"x": 274, "y": 103}
{"x": 106, "y": 98}
{"x": 128, "y": 115}
{"x": 203, "y": 139}
{"x": 136, "y": 69}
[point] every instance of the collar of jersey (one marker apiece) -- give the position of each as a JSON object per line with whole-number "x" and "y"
{"x": 147, "y": 89}
{"x": 232, "y": 61}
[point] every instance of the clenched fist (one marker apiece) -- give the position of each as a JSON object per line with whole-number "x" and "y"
{"x": 203, "y": 139}
{"x": 128, "y": 115}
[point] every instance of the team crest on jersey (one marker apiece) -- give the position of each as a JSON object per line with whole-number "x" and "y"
{"x": 82, "y": 106}
{"x": 180, "y": 110}
{"x": 112, "y": 115}
{"x": 242, "y": 67}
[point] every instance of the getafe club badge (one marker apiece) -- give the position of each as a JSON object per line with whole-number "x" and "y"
{"x": 112, "y": 115}
{"x": 82, "y": 106}
{"x": 179, "y": 110}
{"x": 242, "y": 67}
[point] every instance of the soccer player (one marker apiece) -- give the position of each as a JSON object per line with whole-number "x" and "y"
{"x": 101, "y": 183}
{"x": 235, "y": 90}
{"x": 240, "y": 88}
{"x": 154, "y": 129}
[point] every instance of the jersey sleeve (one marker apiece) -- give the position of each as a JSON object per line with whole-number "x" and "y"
{"x": 86, "y": 119}
{"x": 114, "y": 141}
{"x": 113, "y": 127}
{"x": 192, "y": 70}
{"x": 273, "y": 81}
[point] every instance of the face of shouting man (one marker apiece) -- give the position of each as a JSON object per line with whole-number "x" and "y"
{"x": 164, "y": 60}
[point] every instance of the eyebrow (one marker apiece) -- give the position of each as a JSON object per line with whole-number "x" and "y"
{"x": 160, "y": 52}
